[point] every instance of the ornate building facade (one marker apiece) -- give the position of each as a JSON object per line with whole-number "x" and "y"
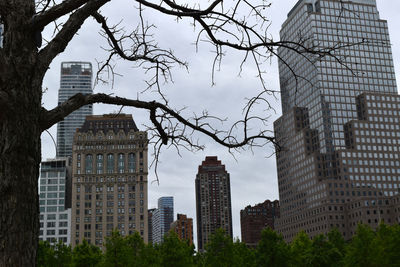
{"x": 109, "y": 186}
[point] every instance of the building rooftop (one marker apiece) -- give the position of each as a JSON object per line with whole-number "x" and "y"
{"x": 107, "y": 122}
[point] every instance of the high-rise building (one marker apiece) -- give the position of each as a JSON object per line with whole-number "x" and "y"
{"x": 337, "y": 136}
{"x": 254, "y": 219}
{"x": 150, "y": 225}
{"x": 55, "y": 206}
{"x": 183, "y": 227}
{"x": 213, "y": 200}
{"x": 162, "y": 218}
{"x": 76, "y": 77}
{"x": 109, "y": 184}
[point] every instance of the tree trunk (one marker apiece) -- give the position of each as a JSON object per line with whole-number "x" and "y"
{"x": 20, "y": 148}
{"x": 19, "y": 171}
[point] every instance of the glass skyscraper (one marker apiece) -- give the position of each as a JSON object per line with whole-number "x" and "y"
{"x": 162, "y": 218}
{"x": 76, "y": 77}
{"x": 327, "y": 86}
{"x": 337, "y": 157}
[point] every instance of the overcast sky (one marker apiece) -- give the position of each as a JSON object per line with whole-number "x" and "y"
{"x": 253, "y": 173}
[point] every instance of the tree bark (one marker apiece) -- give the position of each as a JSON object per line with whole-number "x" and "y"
{"x": 19, "y": 171}
{"x": 20, "y": 149}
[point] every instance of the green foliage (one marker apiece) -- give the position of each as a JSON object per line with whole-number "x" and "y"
{"x": 58, "y": 255}
{"x": 86, "y": 255}
{"x": 242, "y": 255}
{"x": 368, "y": 248}
{"x": 360, "y": 251}
{"x": 301, "y": 249}
{"x": 175, "y": 253}
{"x": 219, "y": 250}
{"x": 222, "y": 251}
{"x": 272, "y": 250}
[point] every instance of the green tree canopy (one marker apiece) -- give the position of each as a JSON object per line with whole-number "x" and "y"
{"x": 272, "y": 250}
{"x": 86, "y": 255}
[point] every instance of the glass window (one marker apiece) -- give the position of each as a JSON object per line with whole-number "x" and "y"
{"x": 89, "y": 163}
{"x": 99, "y": 163}
{"x": 110, "y": 163}
{"x": 121, "y": 163}
{"x": 131, "y": 162}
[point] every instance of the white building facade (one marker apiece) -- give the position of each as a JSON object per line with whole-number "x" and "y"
{"x": 55, "y": 212}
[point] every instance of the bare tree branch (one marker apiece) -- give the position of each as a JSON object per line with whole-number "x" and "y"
{"x": 70, "y": 28}
{"x": 171, "y": 132}
{"x": 39, "y": 21}
{"x": 141, "y": 49}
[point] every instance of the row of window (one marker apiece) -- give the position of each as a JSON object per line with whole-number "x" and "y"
{"x": 110, "y": 163}
{"x": 53, "y": 224}
{"x": 53, "y": 232}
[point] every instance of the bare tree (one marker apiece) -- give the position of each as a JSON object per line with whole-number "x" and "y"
{"x": 240, "y": 25}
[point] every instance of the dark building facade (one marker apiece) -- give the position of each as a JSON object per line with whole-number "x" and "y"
{"x": 183, "y": 227}
{"x": 150, "y": 225}
{"x": 109, "y": 184}
{"x": 338, "y": 156}
{"x": 213, "y": 200}
{"x": 253, "y": 219}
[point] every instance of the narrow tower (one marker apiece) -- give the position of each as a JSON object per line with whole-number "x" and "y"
{"x": 213, "y": 200}
{"x": 76, "y": 77}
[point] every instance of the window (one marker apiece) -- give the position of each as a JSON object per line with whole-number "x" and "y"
{"x": 131, "y": 162}
{"x": 51, "y": 195}
{"x": 121, "y": 163}
{"x": 89, "y": 163}
{"x": 99, "y": 163}
{"x": 110, "y": 163}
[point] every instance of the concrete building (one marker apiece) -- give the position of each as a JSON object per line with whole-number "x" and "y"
{"x": 339, "y": 130}
{"x": 213, "y": 200}
{"x": 76, "y": 77}
{"x": 109, "y": 185}
{"x": 254, "y": 219}
{"x": 183, "y": 227}
{"x": 162, "y": 218}
{"x": 54, "y": 203}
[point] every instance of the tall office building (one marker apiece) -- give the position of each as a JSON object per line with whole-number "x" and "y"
{"x": 183, "y": 227}
{"x": 213, "y": 200}
{"x": 150, "y": 225}
{"x": 109, "y": 184}
{"x": 76, "y": 77}
{"x": 254, "y": 219}
{"x": 162, "y": 218}
{"x": 55, "y": 206}
{"x": 336, "y": 164}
